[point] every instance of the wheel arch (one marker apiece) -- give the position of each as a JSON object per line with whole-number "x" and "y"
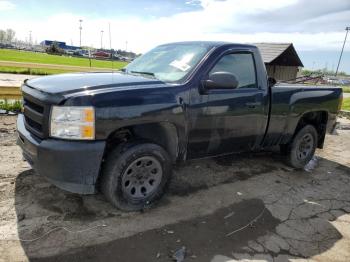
{"x": 318, "y": 119}
{"x": 163, "y": 133}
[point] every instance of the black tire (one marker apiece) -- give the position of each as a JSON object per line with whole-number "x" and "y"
{"x": 301, "y": 150}
{"x": 118, "y": 183}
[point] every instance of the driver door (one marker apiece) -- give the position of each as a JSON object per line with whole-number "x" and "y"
{"x": 234, "y": 118}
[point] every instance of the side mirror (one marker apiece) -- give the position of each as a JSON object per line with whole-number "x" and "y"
{"x": 271, "y": 81}
{"x": 221, "y": 80}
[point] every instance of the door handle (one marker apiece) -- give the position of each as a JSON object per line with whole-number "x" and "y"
{"x": 252, "y": 104}
{"x": 181, "y": 103}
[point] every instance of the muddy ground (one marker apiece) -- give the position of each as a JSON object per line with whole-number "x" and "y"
{"x": 244, "y": 207}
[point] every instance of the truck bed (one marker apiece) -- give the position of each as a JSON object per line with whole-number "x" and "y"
{"x": 289, "y": 101}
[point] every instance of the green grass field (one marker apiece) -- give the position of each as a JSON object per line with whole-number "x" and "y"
{"x": 346, "y": 104}
{"x": 346, "y": 89}
{"x": 43, "y": 58}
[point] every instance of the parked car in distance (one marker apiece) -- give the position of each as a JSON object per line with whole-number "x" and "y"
{"x": 122, "y": 132}
{"x": 101, "y": 55}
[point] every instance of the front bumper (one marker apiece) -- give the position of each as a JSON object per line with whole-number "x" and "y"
{"x": 70, "y": 165}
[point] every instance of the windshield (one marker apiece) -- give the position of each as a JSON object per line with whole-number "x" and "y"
{"x": 168, "y": 63}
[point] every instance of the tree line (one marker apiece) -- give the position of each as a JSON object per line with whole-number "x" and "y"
{"x": 307, "y": 72}
{"x": 7, "y": 36}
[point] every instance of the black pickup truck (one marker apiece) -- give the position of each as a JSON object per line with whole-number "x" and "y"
{"x": 120, "y": 132}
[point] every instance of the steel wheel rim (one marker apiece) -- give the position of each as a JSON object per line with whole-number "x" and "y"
{"x": 305, "y": 147}
{"x": 142, "y": 178}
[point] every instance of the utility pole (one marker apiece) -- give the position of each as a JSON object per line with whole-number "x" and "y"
{"x": 126, "y": 46}
{"x": 30, "y": 38}
{"x": 110, "y": 43}
{"x": 101, "y": 38}
{"x": 341, "y": 53}
{"x": 80, "y": 28}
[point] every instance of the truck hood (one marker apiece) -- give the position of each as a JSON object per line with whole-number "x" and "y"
{"x": 76, "y": 82}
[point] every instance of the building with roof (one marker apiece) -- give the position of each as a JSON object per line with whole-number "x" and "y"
{"x": 63, "y": 45}
{"x": 281, "y": 60}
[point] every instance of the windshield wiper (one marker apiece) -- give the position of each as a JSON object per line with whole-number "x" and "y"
{"x": 143, "y": 73}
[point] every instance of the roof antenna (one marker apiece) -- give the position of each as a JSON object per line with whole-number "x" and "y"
{"x": 110, "y": 43}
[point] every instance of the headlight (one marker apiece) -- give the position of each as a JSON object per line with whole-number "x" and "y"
{"x": 72, "y": 122}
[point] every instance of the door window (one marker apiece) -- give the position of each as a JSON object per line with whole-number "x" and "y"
{"x": 241, "y": 65}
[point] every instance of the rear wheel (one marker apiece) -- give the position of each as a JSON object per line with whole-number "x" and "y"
{"x": 302, "y": 148}
{"x": 135, "y": 175}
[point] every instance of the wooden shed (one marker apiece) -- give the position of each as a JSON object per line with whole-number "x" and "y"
{"x": 281, "y": 60}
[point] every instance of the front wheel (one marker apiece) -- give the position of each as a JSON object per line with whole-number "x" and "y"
{"x": 302, "y": 148}
{"x": 135, "y": 175}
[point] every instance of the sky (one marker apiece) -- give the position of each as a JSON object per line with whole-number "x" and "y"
{"x": 315, "y": 27}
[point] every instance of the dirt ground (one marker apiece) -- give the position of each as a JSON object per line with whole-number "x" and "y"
{"x": 248, "y": 207}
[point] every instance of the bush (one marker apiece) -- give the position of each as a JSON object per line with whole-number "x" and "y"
{"x": 15, "y": 106}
